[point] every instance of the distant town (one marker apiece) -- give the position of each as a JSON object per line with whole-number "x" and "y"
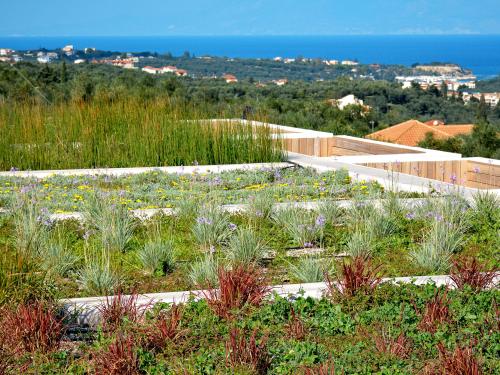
{"x": 451, "y": 79}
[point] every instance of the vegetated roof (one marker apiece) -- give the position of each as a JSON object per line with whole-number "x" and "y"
{"x": 411, "y": 132}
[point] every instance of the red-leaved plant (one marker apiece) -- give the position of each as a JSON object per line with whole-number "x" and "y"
{"x": 399, "y": 347}
{"x": 435, "y": 312}
{"x": 163, "y": 330}
{"x": 243, "y": 350}
{"x": 469, "y": 271}
{"x": 460, "y": 361}
{"x": 326, "y": 368}
{"x": 119, "y": 358}
{"x": 120, "y": 308}
{"x": 357, "y": 276}
{"x": 238, "y": 287}
{"x": 295, "y": 327}
{"x": 31, "y": 327}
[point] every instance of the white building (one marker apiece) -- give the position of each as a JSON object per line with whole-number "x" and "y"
{"x": 349, "y": 62}
{"x": 44, "y": 59}
{"x": 347, "y": 100}
{"x": 491, "y": 98}
{"x": 79, "y": 61}
{"x": 6, "y": 51}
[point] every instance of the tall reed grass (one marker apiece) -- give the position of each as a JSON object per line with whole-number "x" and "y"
{"x": 124, "y": 133}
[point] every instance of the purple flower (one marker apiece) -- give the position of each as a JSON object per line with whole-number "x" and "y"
{"x": 308, "y": 244}
{"x": 320, "y": 221}
{"x": 259, "y": 213}
{"x": 204, "y": 220}
{"x": 14, "y": 169}
{"x": 232, "y": 226}
{"x": 410, "y": 215}
{"x": 212, "y": 249}
{"x": 195, "y": 163}
{"x": 476, "y": 169}
{"x": 453, "y": 178}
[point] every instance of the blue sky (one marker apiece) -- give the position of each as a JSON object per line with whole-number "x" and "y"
{"x": 250, "y": 17}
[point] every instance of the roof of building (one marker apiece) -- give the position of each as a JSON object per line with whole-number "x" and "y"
{"x": 411, "y": 132}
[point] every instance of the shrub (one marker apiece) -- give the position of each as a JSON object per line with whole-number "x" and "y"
{"x": 203, "y": 273}
{"x": 119, "y": 309}
{"x": 238, "y": 287}
{"x": 163, "y": 329}
{"x": 119, "y": 358}
{"x": 212, "y": 227}
{"x": 241, "y": 350}
{"x": 468, "y": 271}
{"x": 157, "y": 255}
{"x": 245, "y": 248}
{"x": 112, "y": 221}
{"x": 355, "y": 277}
{"x": 32, "y": 327}
{"x": 309, "y": 270}
{"x": 435, "y": 312}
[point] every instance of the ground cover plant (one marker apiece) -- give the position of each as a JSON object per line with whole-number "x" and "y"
{"x": 109, "y": 248}
{"x": 376, "y": 331}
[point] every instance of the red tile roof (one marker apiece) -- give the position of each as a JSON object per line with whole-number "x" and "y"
{"x": 411, "y": 132}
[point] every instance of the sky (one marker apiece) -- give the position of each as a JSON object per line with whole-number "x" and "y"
{"x": 246, "y": 17}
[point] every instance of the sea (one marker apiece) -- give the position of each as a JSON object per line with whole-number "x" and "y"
{"x": 480, "y": 53}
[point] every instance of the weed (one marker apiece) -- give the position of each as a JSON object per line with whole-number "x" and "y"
{"x": 326, "y": 368}
{"x": 295, "y": 327}
{"x": 119, "y": 309}
{"x": 399, "y": 347}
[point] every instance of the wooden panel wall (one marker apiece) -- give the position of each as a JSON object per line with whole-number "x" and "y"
{"x": 462, "y": 172}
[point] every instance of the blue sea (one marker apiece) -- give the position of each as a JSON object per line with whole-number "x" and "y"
{"x": 480, "y": 53}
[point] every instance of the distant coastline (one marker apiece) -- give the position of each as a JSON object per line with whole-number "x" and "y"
{"x": 480, "y": 53}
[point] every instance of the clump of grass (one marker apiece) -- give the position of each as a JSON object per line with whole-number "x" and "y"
{"x": 358, "y": 276}
{"x": 260, "y": 206}
{"x": 245, "y": 248}
{"x": 120, "y": 357}
{"x": 57, "y": 259}
{"x": 212, "y": 227}
{"x": 399, "y": 347}
{"x": 460, "y": 361}
{"x": 30, "y": 225}
{"x": 125, "y": 133}
{"x": 441, "y": 241}
{"x": 164, "y": 329}
{"x": 119, "y": 309}
{"x": 360, "y": 243}
{"x": 243, "y": 350}
{"x": 309, "y": 270}
{"x": 32, "y": 327}
{"x": 295, "y": 328}
{"x": 112, "y": 220}
{"x": 239, "y": 287}
{"x": 157, "y": 255}
{"x": 332, "y": 212}
{"x": 186, "y": 209}
{"x": 305, "y": 227}
{"x": 204, "y": 272}
{"x": 435, "y": 312}
{"x": 97, "y": 275}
